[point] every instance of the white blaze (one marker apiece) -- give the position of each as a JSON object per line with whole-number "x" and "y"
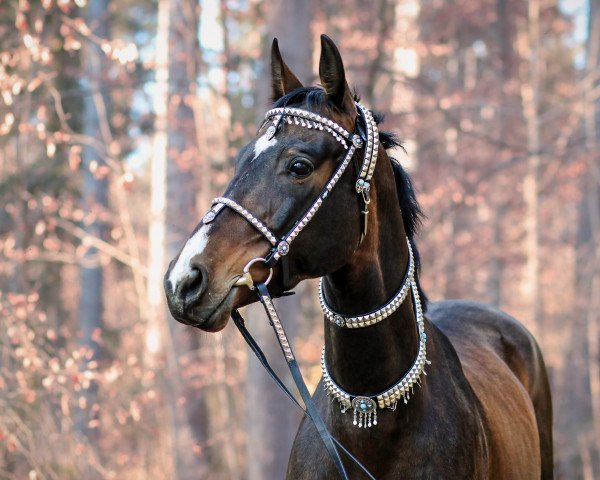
{"x": 194, "y": 246}
{"x": 262, "y": 144}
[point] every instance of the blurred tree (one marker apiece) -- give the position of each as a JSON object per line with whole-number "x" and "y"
{"x": 177, "y": 69}
{"x": 199, "y": 415}
{"x": 94, "y": 194}
{"x": 272, "y": 420}
{"x": 530, "y": 51}
{"x": 591, "y": 195}
{"x": 583, "y": 415}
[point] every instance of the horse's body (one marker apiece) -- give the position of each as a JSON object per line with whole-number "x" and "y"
{"x": 479, "y": 428}
{"x": 484, "y": 408}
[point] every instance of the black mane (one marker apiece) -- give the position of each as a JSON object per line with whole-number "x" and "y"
{"x": 412, "y": 214}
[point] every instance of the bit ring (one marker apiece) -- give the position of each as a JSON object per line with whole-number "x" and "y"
{"x": 246, "y": 269}
{"x": 246, "y": 278}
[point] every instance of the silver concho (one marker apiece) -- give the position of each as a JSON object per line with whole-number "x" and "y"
{"x": 339, "y": 320}
{"x": 357, "y": 141}
{"x": 283, "y": 248}
{"x": 362, "y": 186}
{"x": 365, "y": 412}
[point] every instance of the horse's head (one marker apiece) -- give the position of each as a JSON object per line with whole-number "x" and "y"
{"x": 278, "y": 177}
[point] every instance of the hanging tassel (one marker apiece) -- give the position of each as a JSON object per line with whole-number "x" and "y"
{"x": 364, "y": 412}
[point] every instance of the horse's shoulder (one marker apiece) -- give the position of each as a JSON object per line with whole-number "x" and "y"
{"x": 472, "y": 323}
{"x": 479, "y": 332}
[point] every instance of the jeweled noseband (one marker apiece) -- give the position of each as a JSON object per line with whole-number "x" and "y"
{"x": 364, "y": 407}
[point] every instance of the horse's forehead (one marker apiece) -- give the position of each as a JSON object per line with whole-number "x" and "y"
{"x": 259, "y": 153}
{"x": 263, "y": 143}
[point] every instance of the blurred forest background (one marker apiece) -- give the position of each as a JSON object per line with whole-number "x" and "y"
{"x": 120, "y": 120}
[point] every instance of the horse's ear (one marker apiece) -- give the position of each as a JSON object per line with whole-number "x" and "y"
{"x": 333, "y": 77}
{"x": 284, "y": 81}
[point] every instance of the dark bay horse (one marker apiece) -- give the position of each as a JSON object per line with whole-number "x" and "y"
{"x": 483, "y": 408}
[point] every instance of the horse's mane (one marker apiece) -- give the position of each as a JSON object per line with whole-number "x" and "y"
{"x": 412, "y": 214}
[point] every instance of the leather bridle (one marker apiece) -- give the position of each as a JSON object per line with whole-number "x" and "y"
{"x": 365, "y": 135}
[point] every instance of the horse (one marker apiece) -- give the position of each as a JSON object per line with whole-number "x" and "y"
{"x": 415, "y": 389}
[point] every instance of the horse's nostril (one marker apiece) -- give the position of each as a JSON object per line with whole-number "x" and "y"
{"x": 194, "y": 285}
{"x": 195, "y": 282}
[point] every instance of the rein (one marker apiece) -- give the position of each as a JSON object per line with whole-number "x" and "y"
{"x": 310, "y": 409}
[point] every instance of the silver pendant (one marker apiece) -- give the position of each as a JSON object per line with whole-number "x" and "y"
{"x": 365, "y": 412}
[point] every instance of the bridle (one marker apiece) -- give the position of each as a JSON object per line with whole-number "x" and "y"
{"x": 365, "y": 136}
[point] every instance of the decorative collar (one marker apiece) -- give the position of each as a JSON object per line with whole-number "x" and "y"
{"x": 365, "y": 407}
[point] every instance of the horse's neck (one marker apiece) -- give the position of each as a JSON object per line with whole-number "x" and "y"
{"x": 366, "y": 361}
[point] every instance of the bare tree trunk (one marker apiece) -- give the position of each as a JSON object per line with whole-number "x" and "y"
{"x": 94, "y": 197}
{"x": 180, "y": 18}
{"x": 272, "y": 421}
{"x": 530, "y": 92}
{"x": 505, "y": 35}
{"x": 158, "y": 189}
{"x": 157, "y": 329}
{"x": 202, "y": 440}
{"x": 588, "y": 247}
{"x": 580, "y": 405}
{"x": 455, "y": 166}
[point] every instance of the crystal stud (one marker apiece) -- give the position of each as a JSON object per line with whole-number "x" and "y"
{"x": 283, "y": 248}
{"x": 209, "y": 217}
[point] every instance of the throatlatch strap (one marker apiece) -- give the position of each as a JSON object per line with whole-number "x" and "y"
{"x": 266, "y": 300}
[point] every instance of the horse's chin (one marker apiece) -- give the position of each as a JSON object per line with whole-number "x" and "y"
{"x": 216, "y": 323}
{"x": 206, "y": 317}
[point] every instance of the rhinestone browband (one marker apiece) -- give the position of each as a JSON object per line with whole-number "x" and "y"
{"x": 307, "y": 119}
{"x": 378, "y": 315}
{"x": 365, "y": 407}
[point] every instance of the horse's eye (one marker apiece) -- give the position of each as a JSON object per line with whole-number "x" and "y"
{"x": 301, "y": 167}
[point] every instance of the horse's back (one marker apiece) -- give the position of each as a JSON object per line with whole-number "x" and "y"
{"x": 504, "y": 365}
